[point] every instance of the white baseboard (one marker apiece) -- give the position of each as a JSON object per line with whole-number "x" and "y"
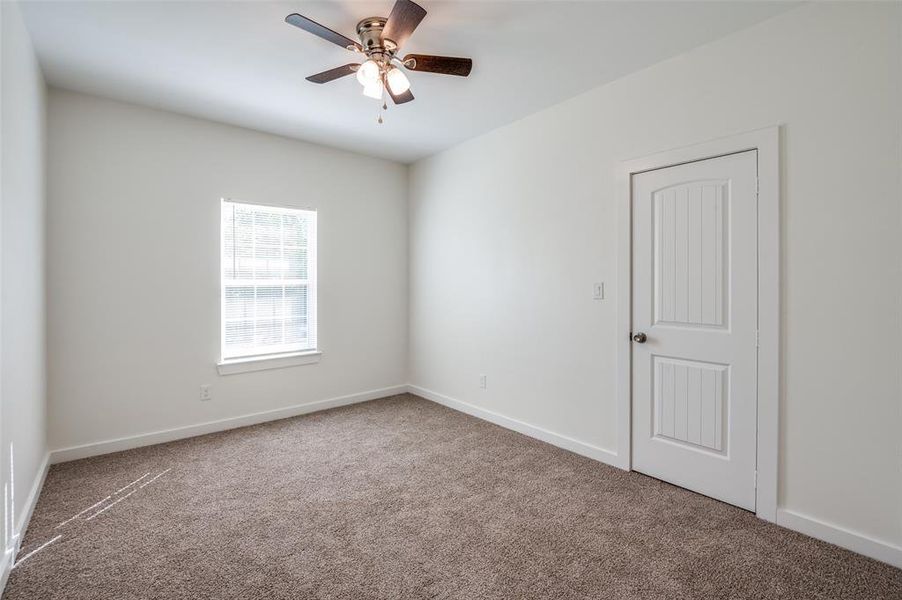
{"x": 9, "y": 557}
{"x": 5, "y": 567}
{"x": 32, "y": 500}
{"x": 178, "y": 433}
{"x": 834, "y": 534}
{"x": 555, "y": 439}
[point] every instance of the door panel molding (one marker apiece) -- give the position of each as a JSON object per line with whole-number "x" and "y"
{"x": 767, "y": 143}
{"x": 707, "y": 382}
{"x": 695, "y": 251}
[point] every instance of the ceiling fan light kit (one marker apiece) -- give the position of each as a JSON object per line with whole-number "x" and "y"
{"x": 380, "y": 40}
{"x": 368, "y": 72}
{"x": 397, "y": 81}
{"x": 374, "y": 90}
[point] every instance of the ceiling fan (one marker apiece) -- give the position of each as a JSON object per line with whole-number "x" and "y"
{"x": 380, "y": 40}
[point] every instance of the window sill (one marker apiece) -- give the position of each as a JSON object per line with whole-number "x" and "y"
{"x": 262, "y": 363}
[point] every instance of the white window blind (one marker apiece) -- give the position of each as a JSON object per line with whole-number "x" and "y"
{"x": 268, "y": 280}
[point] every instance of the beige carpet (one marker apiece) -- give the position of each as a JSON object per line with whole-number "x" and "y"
{"x": 401, "y": 498}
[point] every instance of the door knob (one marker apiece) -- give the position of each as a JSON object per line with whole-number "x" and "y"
{"x": 640, "y": 338}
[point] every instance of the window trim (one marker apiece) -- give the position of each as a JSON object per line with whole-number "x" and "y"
{"x": 273, "y": 360}
{"x": 263, "y": 362}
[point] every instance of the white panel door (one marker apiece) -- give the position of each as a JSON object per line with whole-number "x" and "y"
{"x": 694, "y": 350}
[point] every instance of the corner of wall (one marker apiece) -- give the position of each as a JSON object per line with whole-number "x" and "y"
{"x": 23, "y": 193}
{"x": 408, "y": 199}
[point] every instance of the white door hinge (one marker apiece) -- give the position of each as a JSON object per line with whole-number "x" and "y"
{"x": 757, "y": 339}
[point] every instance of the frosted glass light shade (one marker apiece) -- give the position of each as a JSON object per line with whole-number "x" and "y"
{"x": 397, "y": 81}
{"x": 368, "y": 73}
{"x": 373, "y": 90}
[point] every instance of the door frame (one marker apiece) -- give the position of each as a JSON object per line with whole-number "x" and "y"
{"x": 767, "y": 143}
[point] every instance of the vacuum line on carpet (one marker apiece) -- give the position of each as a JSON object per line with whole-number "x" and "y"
{"x": 155, "y": 478}
{"x": 95, "y": 505}
{"x": 131, "y": 484}
{"x": 35, "y": 551}
{"x": 111, "y": 505}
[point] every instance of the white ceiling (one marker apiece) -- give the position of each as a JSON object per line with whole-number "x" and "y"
{"x": 240, "y": 63}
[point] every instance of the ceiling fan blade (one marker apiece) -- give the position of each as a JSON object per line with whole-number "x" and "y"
{"x": 321, "y": 31}
{"x": 399, "y": 98}
{"x": 404, "y": 18}
{"x": 333, "y": 74}
{"x": 446, "y": 65}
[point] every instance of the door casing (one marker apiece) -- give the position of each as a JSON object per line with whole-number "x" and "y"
{"x": 767, "y": 143}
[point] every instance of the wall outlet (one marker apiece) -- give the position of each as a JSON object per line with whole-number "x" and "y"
{"x": 598, "y": 291}
{"x": 205, "y": 393}
{"x": 482, "y": 382}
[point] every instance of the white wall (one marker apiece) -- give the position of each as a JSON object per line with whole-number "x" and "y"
{"x": 22, "y": 289}
{"x": 509, "y": 231}
{"x": 133, "y": 268}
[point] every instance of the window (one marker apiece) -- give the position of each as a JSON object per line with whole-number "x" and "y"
{"x": 268, "y": 281}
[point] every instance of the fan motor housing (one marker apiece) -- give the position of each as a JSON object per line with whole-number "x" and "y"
{"x": 369, "y": 31}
